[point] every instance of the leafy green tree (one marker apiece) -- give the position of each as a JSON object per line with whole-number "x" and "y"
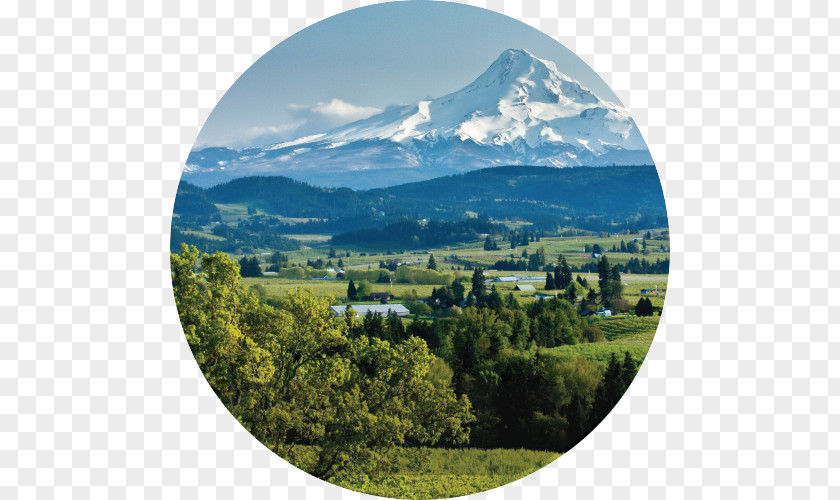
{"x": 363, "y": 289}
{"x": 292, "y": 376}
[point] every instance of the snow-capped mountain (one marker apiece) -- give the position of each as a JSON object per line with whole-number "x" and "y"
{"x": 520, "y": 111}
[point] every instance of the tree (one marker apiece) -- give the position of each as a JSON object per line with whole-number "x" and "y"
{"x": 349, "y": 318}
{"x": 479, "y": 286}
{"x": 249, "y": 267}
{"x": 562, "y": 274}
{"x": 490, "y": 244}
{"x": 628, "y": 369}
{"x": 432, "y": 264}
{"x": 363, "y": 289}
{"x": 352, "y": 293}
{"x": 549, "y": 281}
{"x": 571, "y": 293}
{"x": 458, "y": 291}
{"x": 332, "y": 253}
{"x": 609, "y": 281}
{"x": 643, "y": 307}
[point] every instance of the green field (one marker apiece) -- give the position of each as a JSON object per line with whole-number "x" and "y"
{"x": 628, "y": 333}
{"x": 443, "y": 473}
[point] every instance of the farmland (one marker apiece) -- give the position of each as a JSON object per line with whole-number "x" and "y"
{"x": 521, "y": 332}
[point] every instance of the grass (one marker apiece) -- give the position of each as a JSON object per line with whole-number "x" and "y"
{"x": 453, "y": 472}
{"x": 628, "y": 333}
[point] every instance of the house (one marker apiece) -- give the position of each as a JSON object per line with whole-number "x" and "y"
{"x": 648, "y": 291}
{"x": 326, "y": 277}
{"x": 542, "y": 296}
{"x": 524, "y": 288}
{"x": 380, "y": 309}
{"x": 604, "y": 312}
{"x": 587, "y": 312}
{"x": 379, "y": 296}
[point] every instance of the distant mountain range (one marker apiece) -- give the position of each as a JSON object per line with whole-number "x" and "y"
{"x": 520, "y": 111}
{"x": 581, "y": 197}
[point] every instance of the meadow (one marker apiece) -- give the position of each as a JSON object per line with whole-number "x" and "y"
{"x": 427, "y": 473}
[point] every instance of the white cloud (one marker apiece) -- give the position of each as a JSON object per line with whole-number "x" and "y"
{"x": 344, "y": 110}
{"x": 299, "y": 121}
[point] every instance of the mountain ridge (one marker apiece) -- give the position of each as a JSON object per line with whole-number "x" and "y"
{"x": 521, "y": 110}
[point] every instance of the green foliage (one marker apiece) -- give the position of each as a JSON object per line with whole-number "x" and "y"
{"x": 417, "y": 276}
{"x": 432, "y": 264}
{"x": 442, "y": 473}
{"x": 364, "y": 288}
{"x": 292, "y": 376}
{"x": 249, "y": 267}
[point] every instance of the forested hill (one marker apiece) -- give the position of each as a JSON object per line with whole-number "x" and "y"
{"x": 583, "y": 196}
{"x": 605, "y": 190}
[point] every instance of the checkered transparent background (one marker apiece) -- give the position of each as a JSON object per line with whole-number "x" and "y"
{"x": 100, "y": 104}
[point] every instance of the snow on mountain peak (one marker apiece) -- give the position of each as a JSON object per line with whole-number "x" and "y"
{"x": 520, "y": 110}
{"x": 520, "y": 97}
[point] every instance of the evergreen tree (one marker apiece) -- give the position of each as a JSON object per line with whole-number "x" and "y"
{"x": 479, "y": 286}
{"x": 351, "y": 291}
{"x": 374, "y": 326}
{"x": 628, "y": 369}
{"x": 562, "y": 274}
{"x": 571, "y": 294}
{"x": 623, "y": 247}
{"x": 457, "y": 291}
{"x": 249, "y": 267}
{"x": 471, "y": 301}
{"x": 549, "y": 281}
{"x": 394, "y": 325}
{"x": 494, "y": 299}
{"x": 432, "y": 264}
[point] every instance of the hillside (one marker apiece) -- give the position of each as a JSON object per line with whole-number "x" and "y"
{"x": 580, "y": 195}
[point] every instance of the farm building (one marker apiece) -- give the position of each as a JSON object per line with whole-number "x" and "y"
{"x": 380, "y": 309}
{"x": 587, "y": 312}
{"x": 505, "y": 279}
{"x": 324, "y": 278}
{"x": 604, "y": 312}
{"x": 524, "y": 288}
{"x": 379, "y": 296}
{"x": 649, "y": 291}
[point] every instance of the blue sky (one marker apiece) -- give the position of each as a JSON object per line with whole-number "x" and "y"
{"x": 351, "y": 65}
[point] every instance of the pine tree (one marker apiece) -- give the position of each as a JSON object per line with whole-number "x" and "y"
{"x": 479, "y": 286}
{"x": 628, "y": 370}
{"x": 549, "y": 281}
{"x": 351, "y": 291}
{"x": 432, "y": 264}
{"x": 571, "y": 293}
